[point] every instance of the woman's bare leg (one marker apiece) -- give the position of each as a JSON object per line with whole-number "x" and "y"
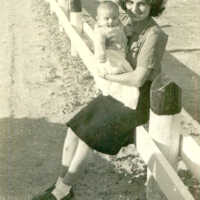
{"x": 72, "y": 160}
{"x": 69, "y": 149}
{"x": 81, "y": 153}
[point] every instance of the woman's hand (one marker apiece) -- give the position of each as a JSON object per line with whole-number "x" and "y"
{"x": 134, "y": 78}
{"x": 101, "y": 58}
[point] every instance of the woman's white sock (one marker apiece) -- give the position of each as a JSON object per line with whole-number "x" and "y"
{"x": 61, "y": 189}
{"x": 59, "y": 180}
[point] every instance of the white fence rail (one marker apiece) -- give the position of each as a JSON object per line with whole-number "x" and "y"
{"x": 167, "y": 178}
{"x": 164, "y": 174}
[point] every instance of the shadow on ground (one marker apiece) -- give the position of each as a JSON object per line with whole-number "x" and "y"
{"x": 30, "y": 154}
{"x": 30, "y": 151}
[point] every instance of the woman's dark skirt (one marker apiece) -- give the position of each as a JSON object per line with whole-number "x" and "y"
{"x": 106, "y": 125}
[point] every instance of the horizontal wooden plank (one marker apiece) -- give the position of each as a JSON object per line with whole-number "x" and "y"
{"x": 190, "y": 153}
{"x": 169, "y": 182}
{"x": 195, "y": 124}
{"x": 88, "y": 30}
{"x": 190, "y": 145}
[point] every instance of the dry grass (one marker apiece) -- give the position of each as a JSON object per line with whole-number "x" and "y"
{"x": 77, "y": 84}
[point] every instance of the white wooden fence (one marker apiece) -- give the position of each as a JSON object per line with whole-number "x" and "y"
{"x": 162, "y": 171}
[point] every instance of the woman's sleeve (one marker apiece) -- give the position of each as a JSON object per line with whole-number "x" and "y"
{"x": 152, "y": 50}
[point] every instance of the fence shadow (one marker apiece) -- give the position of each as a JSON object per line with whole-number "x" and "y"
{"x": 30, "y": 152}
{"x": 184, "y": 50}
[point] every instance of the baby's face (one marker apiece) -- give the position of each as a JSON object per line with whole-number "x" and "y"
{"x": 108, "y": 17}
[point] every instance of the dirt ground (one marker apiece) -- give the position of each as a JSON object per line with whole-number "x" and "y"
{"x": 40, "y": 85}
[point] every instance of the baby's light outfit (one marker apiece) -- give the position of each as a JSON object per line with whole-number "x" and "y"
{"x": 112, "y": 42}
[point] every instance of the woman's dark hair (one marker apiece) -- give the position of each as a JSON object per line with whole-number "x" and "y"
{"x": 156, "y": 6}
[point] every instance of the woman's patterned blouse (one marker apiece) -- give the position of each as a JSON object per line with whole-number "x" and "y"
{"x": 146, "y": 44}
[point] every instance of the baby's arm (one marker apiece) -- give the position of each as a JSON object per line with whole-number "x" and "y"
{"x": 100, "y": 51}
{"x": 99, "y": 46}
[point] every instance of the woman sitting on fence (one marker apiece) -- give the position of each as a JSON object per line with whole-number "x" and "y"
{"x": 105, "y": 124}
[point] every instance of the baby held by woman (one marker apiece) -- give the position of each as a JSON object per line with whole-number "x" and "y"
{"x": 110, "y": 45}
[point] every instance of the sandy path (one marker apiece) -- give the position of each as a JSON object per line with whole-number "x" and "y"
{"x": 26, "y": 57}
{"x": 5, "y": 60}
{"x": 40, "y": 84}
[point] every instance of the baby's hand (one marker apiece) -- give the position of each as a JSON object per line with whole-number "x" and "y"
{"x": 101, "y": 73}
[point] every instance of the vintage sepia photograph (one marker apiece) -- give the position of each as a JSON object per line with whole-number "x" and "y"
{"x": 99, "y": 100}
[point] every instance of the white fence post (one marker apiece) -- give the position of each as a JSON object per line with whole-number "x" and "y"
{"x": 64, "y": 5}
{"x": 75, "y": 20}
{"x": 50, "y": 8}
{"x": 163, "y": 128}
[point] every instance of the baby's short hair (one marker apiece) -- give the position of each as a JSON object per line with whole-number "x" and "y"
{"x": 108, "y": 5}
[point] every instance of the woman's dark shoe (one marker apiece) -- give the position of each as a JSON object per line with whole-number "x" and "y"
{"x": 44, "y": 196}
{"x": 48, "y": 190}
{"x": 51, "y": 188}
{"x": 69, "y": 195}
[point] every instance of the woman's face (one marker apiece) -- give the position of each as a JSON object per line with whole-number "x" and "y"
{"x": 138, "y": 9}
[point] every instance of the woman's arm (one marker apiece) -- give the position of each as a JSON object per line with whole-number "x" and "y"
{"x": 149, "y": 58}
{"x": 135, "y": 78}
